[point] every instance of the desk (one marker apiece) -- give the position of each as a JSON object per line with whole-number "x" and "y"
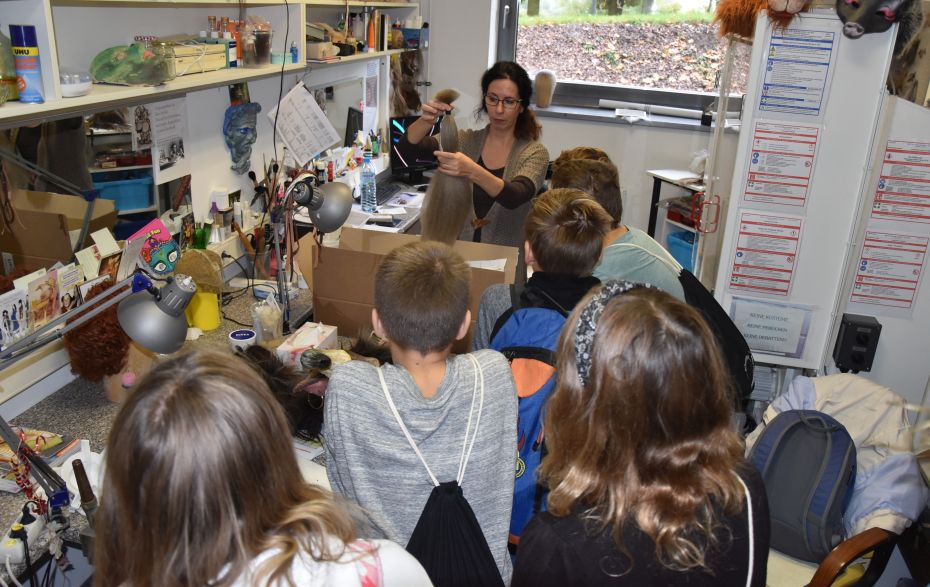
{"x": 677, "y": 177}
{"x": 81, "y": 410}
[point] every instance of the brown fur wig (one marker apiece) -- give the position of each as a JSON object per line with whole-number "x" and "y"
{"x": 99, "y": 347}
{"x": 300, "y": 396}
{"x": 738, "y": 17}
{"x": 448, "y": 199}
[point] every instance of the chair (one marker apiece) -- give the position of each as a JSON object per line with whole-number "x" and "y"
{"x": 845, "y": 566}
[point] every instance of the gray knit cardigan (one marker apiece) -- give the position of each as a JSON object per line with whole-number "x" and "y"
{"x": 528, "y": 159}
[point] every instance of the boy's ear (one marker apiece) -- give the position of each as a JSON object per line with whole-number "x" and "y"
{"x": 530, "y": 258}
{"x": 376, "y": 324}
{"x": 463, "y": 328}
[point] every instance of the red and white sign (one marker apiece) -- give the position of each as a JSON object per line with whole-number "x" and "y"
{"x": 781, "y": 161}
{"x": 889, "y": 269}
{"x": 766, "y": 253}
{"x": 903, "y": 191}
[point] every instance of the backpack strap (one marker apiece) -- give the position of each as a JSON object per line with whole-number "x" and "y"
{"x": 751, "y": 532}
{"x": 466, "y": 446}
{"x": 667, "y": 258}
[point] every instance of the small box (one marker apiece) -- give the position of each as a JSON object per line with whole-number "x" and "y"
{"x": 343, "y": 278}
{"x": 415, "y": 38}
{"x": 681, "y": 245}
{"x": 129, "y": 194}
{"x": 311, "y": 335}
{"x": 856, "y": 343}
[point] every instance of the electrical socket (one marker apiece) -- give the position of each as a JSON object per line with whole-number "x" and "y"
{"x": 12, "y": 548}
{"x": 231, "y": 245}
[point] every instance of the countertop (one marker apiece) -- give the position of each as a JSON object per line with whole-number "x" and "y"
{"x": 80, "y": 409}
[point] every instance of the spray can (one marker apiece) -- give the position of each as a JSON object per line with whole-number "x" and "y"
{"x": 28, "y": 68}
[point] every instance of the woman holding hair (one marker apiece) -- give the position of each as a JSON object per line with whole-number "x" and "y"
{"x": 202, "y": 488}
{"x": 504, "y": 160}
{"x": 648, "y": 485}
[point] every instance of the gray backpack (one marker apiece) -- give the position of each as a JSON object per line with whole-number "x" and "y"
{"x": 808, "y": 464}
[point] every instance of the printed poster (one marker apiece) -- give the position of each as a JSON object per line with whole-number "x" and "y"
{"x": 169, "y": 133}
{"x": 370, "y": 111}
{"x": 781, "y": 162}
{"x": 303, "y": 126}
{"x": 889, "y": 271}
{"x": 797, "y": 71}
{"x": 766, "y": 253}
{"x": 903, "y": 191}
{"x": 772, "y": 327}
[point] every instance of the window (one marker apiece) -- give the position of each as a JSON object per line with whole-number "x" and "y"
{"x": 644, "y": 51}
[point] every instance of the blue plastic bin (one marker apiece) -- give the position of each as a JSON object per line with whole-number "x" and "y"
{"x": 128, "y": 194}
{"x": 681, "y": 245}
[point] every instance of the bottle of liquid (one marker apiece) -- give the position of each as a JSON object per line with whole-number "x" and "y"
{"x": 368, "y": 186}
{"x": 231, "y": 49}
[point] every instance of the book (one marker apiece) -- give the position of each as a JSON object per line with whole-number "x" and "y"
{"x": 85, "y": 287}
{"x": 89, "y": 261}
{"x": 44, "y": 305}
{"x": 110, "y": 265}
{"x": 68, "y": 279}
{"x": 186, "y": 236}
{"x": 14, "y": 315}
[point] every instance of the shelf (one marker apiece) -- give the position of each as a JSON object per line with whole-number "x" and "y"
{"x": 104, "y": 97}
{"x": 682, "y": 226}
{"x": 359, "y": 57}
{"x": 111, "y": 169}
{"x": 341, "y": 4}
{"x": 136, "y": 211}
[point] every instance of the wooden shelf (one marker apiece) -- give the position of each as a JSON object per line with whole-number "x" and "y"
{"x": 104, "y": 97}
{"x": 342, "y": 4}
{"x": 358, "y": 57}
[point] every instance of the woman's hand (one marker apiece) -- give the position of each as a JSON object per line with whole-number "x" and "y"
{"x": 455, "y": 164}
{"x": 432, "y": 110}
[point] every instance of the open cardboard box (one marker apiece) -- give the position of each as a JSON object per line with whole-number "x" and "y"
{"x": 47, "y": 225}
{"x": 343, "y": 278}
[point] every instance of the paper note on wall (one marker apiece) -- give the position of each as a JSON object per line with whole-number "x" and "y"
{"x": 370, "y": 112}
{"x": 771, "y": 327}
{"x": 781, "y": 162}
{"x": 903, "y": 190}
{"x": 889, "y": 272}
{"x": 797, "y": 71}
{"x": 766, "y": 253}
{"x": 170, "y": 135}
{"x": 302, "y": 125}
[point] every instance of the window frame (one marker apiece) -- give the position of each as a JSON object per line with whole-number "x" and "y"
{"x": 588, "y": 94}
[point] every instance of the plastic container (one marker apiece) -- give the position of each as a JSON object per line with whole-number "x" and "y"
{"x": 128, "y": 194}
{"x": 367, "y": 187}
{"x": 681, "y": 245}
{"x": 74, "y": 82}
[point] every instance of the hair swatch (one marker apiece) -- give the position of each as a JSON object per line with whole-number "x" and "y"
{"x": 448, "y": 199}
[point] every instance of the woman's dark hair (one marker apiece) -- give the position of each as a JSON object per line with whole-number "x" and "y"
{"x": 527, "y": 127}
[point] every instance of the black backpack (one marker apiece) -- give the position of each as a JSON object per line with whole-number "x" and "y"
{"x": 448, "y": 540}
{"x": 733, "y": 346}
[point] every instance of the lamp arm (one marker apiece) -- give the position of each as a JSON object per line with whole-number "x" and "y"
{"x": 38, "y": 338}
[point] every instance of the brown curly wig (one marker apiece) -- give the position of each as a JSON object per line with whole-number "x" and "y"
{"x": 98, "y": 348}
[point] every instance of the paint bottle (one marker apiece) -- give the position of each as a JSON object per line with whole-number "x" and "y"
{"x": 28, "y": 68}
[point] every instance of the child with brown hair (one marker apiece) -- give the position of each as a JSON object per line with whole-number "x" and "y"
{"x": 629, "y": 253}
{"x": 393, "y": 433}
{"x": 563, "y": 235}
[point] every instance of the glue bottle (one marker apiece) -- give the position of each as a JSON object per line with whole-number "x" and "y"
{"x": 28, "y": 68}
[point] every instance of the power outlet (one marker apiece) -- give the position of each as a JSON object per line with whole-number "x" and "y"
{"x": 12, "y": 548}
{"x": 231, "y": 245}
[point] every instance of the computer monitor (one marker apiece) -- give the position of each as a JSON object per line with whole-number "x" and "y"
{"x": 402, "y": 166}
{"x": 354, "y": 123}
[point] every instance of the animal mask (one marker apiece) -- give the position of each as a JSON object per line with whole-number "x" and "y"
{"x": 861, "y": 17}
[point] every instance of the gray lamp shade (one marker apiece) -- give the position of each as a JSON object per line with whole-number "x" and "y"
{"x": 157, "y": 323}
{"x": 328, "y": 205}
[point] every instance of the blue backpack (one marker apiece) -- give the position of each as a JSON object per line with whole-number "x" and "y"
{"x": 808, "y": 464}
{"x": 527, "y": 334}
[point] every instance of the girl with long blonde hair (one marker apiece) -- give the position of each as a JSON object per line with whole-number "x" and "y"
{"x": 648, "y": 485}
{"x": 202, "y": 487}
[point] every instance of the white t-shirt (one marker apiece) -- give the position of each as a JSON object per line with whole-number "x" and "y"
{"x": 365, "y": 563}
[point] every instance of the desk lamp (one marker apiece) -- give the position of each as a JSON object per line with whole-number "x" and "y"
{"x": 327, "y": 205}
{"x": 152, "y": 317}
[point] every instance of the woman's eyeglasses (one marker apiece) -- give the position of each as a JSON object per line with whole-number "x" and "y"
{"x": 492, "y": 101}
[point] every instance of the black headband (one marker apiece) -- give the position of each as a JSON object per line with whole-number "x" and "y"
{"x": 587, "y": 323}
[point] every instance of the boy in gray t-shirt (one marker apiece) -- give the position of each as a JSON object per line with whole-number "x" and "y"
{"x": 421, "y": 308}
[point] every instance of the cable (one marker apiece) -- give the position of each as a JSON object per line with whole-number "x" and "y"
{"x": 12, "y": 575}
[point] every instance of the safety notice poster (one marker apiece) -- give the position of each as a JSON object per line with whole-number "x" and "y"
{"x": 781, "y": 162}
{"x": 889, "y": 270}
{"x": 903, "y": 191}
{"x": 797, "y": 71}
{"x": 766, "y": 253}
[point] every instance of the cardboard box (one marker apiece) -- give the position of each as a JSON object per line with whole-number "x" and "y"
{"x": 47, "y": 225}
{"x": 343, "y": 280}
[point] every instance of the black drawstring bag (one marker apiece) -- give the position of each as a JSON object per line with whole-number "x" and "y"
{"x": 449, "y": 543}
{"x": 448, "y": 540}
